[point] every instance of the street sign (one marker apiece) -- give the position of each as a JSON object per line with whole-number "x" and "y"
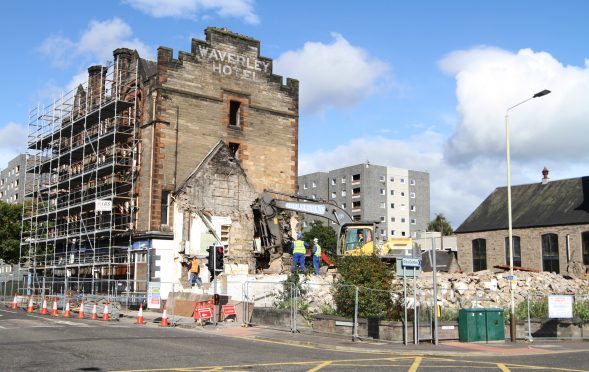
{"x": 411, "y": 262}
{"x": 407, "y": 271}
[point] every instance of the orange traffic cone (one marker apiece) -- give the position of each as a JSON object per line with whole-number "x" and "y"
{"x": 66, "y": 312}
{"x": 44, "y": 308}
{"x": 15, "y": 301}
{"x": 165, "y": 317}
{"x": 54, "y": 311}
{"x": 140, "y": 316}
{"x": 105, "y": 312}
{"x": 94, "y": 317}
{"x": 30, "y": 307}
{"x": 81, "y": 312}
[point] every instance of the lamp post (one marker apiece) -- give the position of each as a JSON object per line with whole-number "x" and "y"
{"x": 509, "y": 218}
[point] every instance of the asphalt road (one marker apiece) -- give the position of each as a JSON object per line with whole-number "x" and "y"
{"x": 31, "y": 342}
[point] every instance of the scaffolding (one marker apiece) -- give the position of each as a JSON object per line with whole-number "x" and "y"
{"x": 78, "y": 216}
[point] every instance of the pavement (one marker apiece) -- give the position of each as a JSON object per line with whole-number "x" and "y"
{"x": 307, "y": 338}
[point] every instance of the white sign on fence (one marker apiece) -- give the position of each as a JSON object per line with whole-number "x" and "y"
{"x": 560, "y": 306}
{"x": 103, "y": 205}
{"x": 154, "y": 295}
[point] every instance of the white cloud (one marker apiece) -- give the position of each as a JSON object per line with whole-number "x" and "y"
{"x": 96, "y": 43}
{"x": 192, "y": 8}
{"x": 468, "y": 165}
{"x": 489, "y": 80}
{"x": 332, "y": 75}
{"x": 13, "y": 138}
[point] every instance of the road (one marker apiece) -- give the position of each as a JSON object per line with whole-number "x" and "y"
{"x": 31, "y": 342}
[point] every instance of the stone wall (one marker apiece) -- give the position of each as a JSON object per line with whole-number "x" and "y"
{"x": 530, "y": 243}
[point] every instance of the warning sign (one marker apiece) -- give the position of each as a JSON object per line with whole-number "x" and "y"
{"x": 203, "y": 310}
{"x": 560, "y": 306}
{"x": 229, "y": 310}
{"x": 205, "y": 313}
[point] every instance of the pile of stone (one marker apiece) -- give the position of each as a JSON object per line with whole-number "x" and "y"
{"x": 490, "y": 289}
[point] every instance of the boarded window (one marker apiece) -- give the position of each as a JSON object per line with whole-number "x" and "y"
{"x": 479, "y": 254}
{"x": 550, "y": 260}
{"x": 517, "y": 252}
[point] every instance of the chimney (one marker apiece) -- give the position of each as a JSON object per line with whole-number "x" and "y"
{"x": 96, "y": 77}
{"x": 545, "y": 178}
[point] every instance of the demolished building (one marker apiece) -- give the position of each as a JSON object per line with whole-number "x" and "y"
{"x": 149, "y": 161}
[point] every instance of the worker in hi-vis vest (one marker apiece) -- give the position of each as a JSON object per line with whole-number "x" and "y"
{"x": 299, "y": 248}
{"x": 316, "y": 255}
{"x": 194, "y": 271}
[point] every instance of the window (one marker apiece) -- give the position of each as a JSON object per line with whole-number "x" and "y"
{"x": 392, "y": 219}
{"x": 392, "y": 179}
{"x": 382, "y": 178}
{"x": 517, "y": 253}
{"x": 402, "y": 180}
{"x": 356, "y": 204}
{"x": 382, "y": 232}
{"x": 313, "y": 184}
{"x": 305, "y": 187}
{"x": 383, "y": 205}
{"x": 383, "y": 192}
{"x": 393, "y": 205}
{"x": 402, "y": 233}
{"x": 314, "y": 196}
{"x": 392, "y": 192}
{"x": 356, "y": 178}
{"x": 392, "y": 232}
{"x": 305, "y": 224}
{"x": 234, "y": 149}
{"x": 402, "y": 193}
{"x": 402, "y": 219}
{"x": 344, "y": 205}
{"x": 356, "y": 191}
{"x": 382, "y": 219}
{"x": 234, "y": 109}
{"x": 343, "y": 179}
{"x": 343, "y": 192}
{"x": 585, "y": 239}
{"x": 412, "y": 208}
{"x": 479, "y": 254}
{"x": 333, "y": 182}
{"x": 550, "y": 260}
{"x": 414, "y": 234}
{"x": 413, "y": 221}
{"x": 412, "y": 195}
{"x": 164, "y": 207}
{"x": 412, "y": 182}
{"x": 356, "y": 217}
{"x": 333, "y": 194}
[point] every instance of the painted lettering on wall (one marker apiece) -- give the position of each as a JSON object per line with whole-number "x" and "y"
{"x": 227, "y": 63}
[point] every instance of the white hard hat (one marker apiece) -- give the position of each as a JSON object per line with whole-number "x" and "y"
{"x": 315, "y": 240}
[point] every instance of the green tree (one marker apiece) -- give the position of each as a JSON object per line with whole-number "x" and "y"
{"x": 10, "y": 223}
{"x": 375, "y": 289}
{"x": 326, "y": 235}
{"x": 440, "y": 224}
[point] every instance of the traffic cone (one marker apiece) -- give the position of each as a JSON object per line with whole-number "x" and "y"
{"x": 66, "y": 312}
{"x": 44, "y": 308}
{"x": 140, "y": 316}
{"x": 54, "y": 311}
{"x": 165, "y": 317}
{"x": 94, "y": 317}
{"x": 15, "y": 301}
{"x": 105, "y": 311}
{"x": 81, "y": 311}
{"x": 30, "y": 307}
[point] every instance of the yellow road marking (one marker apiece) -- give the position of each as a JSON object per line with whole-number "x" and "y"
{"x": 324, "y": 364}
{"x": 415, "y": 364}
{"x": 503, "y": 368}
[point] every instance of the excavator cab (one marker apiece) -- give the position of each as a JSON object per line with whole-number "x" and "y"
{"x": 356, "y": 240}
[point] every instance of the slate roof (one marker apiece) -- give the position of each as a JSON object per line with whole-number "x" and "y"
{"x": 562, "y": 202}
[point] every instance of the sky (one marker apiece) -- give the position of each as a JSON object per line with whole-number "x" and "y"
{"x": 423, "y": 85}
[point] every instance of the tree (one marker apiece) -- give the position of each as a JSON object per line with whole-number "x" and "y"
{"x": 440, "y": 224}
{"x": 375, "y": 289}
{"x": 10, "y": 224}
{"x": 325, "y": 234}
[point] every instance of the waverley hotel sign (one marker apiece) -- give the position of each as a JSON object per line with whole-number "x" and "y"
{"x": 238, "y": 65}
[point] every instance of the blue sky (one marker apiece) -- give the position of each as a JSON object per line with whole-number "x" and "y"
{"x": 414, "y": 84}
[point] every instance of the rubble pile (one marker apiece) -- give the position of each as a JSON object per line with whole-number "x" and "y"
{"x": 489, "y": 289}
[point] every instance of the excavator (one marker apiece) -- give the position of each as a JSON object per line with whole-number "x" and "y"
{"x": 354, "y": 238}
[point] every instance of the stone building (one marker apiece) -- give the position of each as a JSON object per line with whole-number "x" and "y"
{"x": 118, "y": 149}
{"x": 550, "y": 228}
{"x": 12, "y": 180}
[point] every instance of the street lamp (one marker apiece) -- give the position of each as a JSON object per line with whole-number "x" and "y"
{"x": 509, "y": 218}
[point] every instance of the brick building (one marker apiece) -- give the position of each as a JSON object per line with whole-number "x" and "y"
{"x": 119, "y": 147}
{"x": 550, "y": 228}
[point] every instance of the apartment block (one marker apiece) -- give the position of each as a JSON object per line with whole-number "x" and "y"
{"x": 12, "y": 180}
{"x": 397, "y": 199}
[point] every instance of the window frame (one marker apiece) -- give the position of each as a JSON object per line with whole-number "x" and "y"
{"x": 479, "y": 254}
{"x": 550, "y": 263}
